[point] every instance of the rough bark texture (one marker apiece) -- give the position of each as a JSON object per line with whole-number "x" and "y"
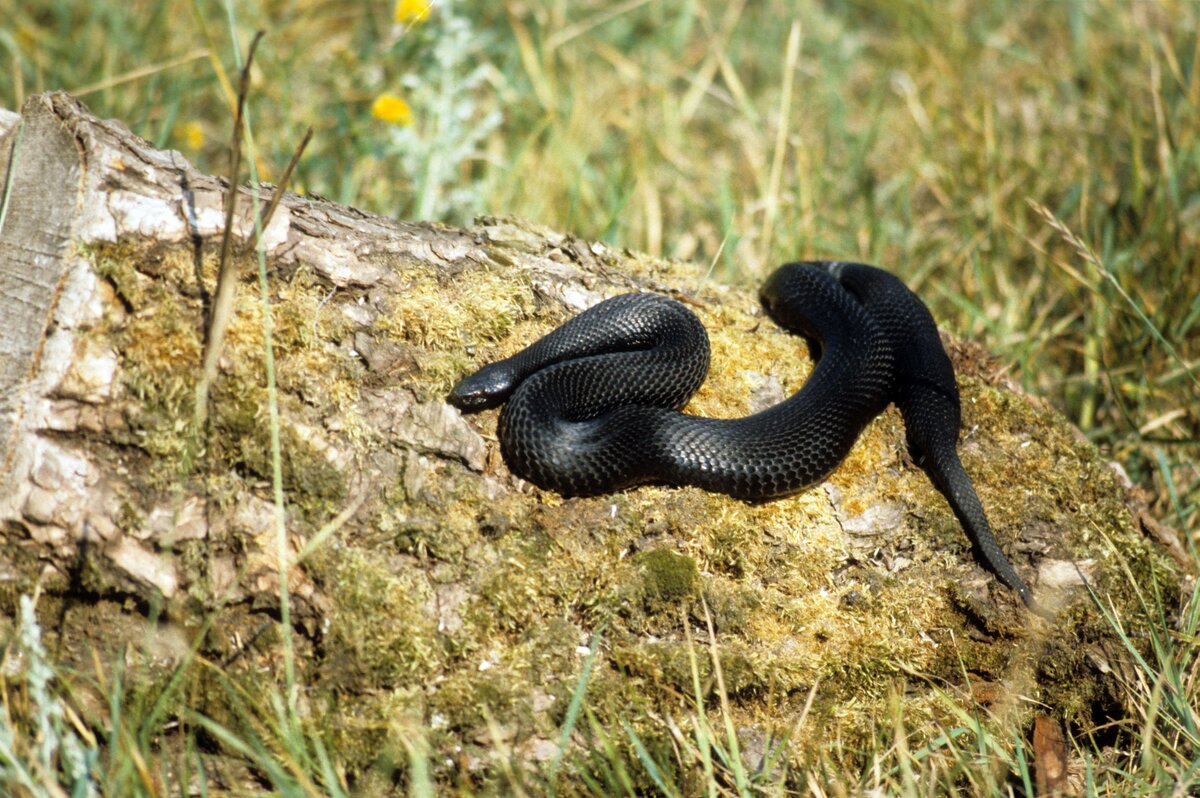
{"x": 454, "y": 592}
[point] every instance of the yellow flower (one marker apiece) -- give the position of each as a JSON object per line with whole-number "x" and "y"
{"x": 412, "y": 11}
{"x": 192, "y": 133}
{"x": 392, "y": 109}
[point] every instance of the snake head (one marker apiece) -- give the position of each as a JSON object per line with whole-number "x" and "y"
{"x": 489, "y": 387}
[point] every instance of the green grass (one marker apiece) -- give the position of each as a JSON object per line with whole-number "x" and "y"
{"x": 1033, "y": 170}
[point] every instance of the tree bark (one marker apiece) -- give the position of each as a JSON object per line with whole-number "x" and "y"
{"x": 437, "y": 577}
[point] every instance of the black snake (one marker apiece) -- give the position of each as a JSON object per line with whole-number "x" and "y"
{"x": 594, "y": 406}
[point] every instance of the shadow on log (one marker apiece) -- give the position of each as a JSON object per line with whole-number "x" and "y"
{"x": 450, "y": 593}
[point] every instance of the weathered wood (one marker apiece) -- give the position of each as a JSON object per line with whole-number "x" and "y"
{"x": 41, "y": 165}
{"x": 450, "y": 587}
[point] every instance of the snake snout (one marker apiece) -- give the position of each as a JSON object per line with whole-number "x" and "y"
{"x": 469, "y": 400}
{"x": 489, "y": 387}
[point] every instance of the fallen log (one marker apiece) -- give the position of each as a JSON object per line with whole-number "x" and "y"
{"x": 425, "y": 582}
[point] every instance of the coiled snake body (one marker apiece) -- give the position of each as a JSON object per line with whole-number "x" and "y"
{"x": 594, "y": 406}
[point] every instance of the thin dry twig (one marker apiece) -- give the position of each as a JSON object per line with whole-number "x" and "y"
{"x": 223, "y": 298}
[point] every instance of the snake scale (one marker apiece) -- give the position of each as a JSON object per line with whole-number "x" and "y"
{"x": 595, "y": 406}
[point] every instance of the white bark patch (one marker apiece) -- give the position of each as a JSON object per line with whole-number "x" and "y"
{"x": 338, "y": 263}
{"x": 167, "y": 526}
{"x": 438, "y": 427}
{"x": 59, "y": 492}
{"x": 573, "y": 295}
{"x": 320, "y": 444}
{"x": 144, "y": 566}
{"x": 136, "y": 214}
{"x": 1065, "y": 574}
{"x": 86, "y": 299}
{"x": 92, "y": 373}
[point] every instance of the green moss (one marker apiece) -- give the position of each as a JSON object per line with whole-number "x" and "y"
{"x": 667, "y": 664}
{"x": 369, "y": 730}
{"x": 486, "y": 306}
{"x": 552, "y": 654}
{"x": 381, "y": 630}
{"x": 668, "y": 577}
{"x": 445, "y": 534}
{"x": 730, "y": 604}
{"x": 114, "y": 262}
{"x": 93, "y": 576}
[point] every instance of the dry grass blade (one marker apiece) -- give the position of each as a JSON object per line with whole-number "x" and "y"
{"x": 141, "y": 72}
{"x": 280, "y": 189}
{"x": 1087, "y": 254}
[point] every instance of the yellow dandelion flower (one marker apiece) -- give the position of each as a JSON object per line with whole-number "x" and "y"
{"x": 392, "y": 109}
{"x": 192, "y": 133}
{"x": 412, "y": 12}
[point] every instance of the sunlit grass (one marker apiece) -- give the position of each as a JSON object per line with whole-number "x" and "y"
{"x": 1031, "y": 169}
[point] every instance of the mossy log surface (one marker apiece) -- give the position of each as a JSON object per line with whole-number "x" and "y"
{"x": 455, "y": 596}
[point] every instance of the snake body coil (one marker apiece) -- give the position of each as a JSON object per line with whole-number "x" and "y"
{"x": 594, "y": 406}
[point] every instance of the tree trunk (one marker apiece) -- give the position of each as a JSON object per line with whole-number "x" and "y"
{"x": 423, "y": 574}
